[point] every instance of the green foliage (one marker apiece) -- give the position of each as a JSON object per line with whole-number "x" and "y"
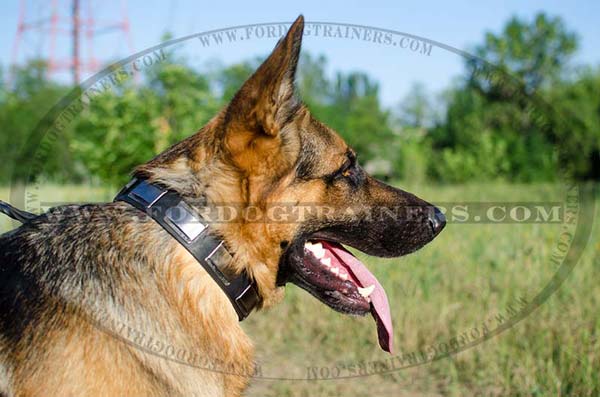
{"x": 119, "y": 132}
{"x": 577, "y": 115}
{"x": 22, "y": 107}
{"x": 483, "y": 139}
{"x": 411, "y": 153}
{"x": 535, "y": 53}
{"x": 498, "y": 123}
{"x": 125, "y": 128}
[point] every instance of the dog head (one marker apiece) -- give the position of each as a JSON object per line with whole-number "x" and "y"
{"x": 266, "y": 152}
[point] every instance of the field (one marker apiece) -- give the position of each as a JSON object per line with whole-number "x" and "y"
{"x": 463, "y": 283}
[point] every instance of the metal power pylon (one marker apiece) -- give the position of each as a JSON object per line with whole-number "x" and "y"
{"x": 64, "y": 33}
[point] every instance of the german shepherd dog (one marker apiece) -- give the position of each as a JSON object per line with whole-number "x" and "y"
{"x": 62, "y": 268}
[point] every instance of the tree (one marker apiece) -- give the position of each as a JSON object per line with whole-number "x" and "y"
{"x": 535, "y": 53}
{"x": 496, "y": 124}
{"x": 577, "y": 123}
{"x": 22, "y": 107}
{"x": 127, "y": 127}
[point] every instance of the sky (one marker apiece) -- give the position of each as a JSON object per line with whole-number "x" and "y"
{"x": 460, "y": 24}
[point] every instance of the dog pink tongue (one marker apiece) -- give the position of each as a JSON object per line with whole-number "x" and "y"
{"x": 380, "y": 308}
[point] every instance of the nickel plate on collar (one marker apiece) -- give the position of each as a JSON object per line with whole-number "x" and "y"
{"x": 185, "y": 221}
{"x": 220, "y": 259}
{"x": 147, "y": 194}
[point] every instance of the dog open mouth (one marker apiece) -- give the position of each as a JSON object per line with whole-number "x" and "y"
{"x": 337, "y": 278}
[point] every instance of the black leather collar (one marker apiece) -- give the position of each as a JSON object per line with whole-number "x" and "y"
{"x": 186, "y": 226}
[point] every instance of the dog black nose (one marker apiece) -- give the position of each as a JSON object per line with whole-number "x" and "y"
{"x": 437, "y": 221}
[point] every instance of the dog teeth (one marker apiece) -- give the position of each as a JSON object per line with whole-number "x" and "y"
{"x": 366, "y": 292}
{"x": 316, "y": 249}
{"x": 319, "y": 252}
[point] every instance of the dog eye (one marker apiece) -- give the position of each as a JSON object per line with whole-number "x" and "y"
{"x": 348, "y": 170}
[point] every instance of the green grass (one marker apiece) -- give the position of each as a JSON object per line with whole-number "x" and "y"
{"x": 462, "y": 279}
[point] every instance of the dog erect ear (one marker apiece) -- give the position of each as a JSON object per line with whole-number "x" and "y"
{"x": 266, "y": 100}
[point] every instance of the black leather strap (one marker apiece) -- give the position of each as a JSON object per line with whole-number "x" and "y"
{"x": 186, "y": 226}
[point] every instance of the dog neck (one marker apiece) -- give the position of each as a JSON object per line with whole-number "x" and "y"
{"x": 192, "y": 231}
{"x": 197, "y": 170}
